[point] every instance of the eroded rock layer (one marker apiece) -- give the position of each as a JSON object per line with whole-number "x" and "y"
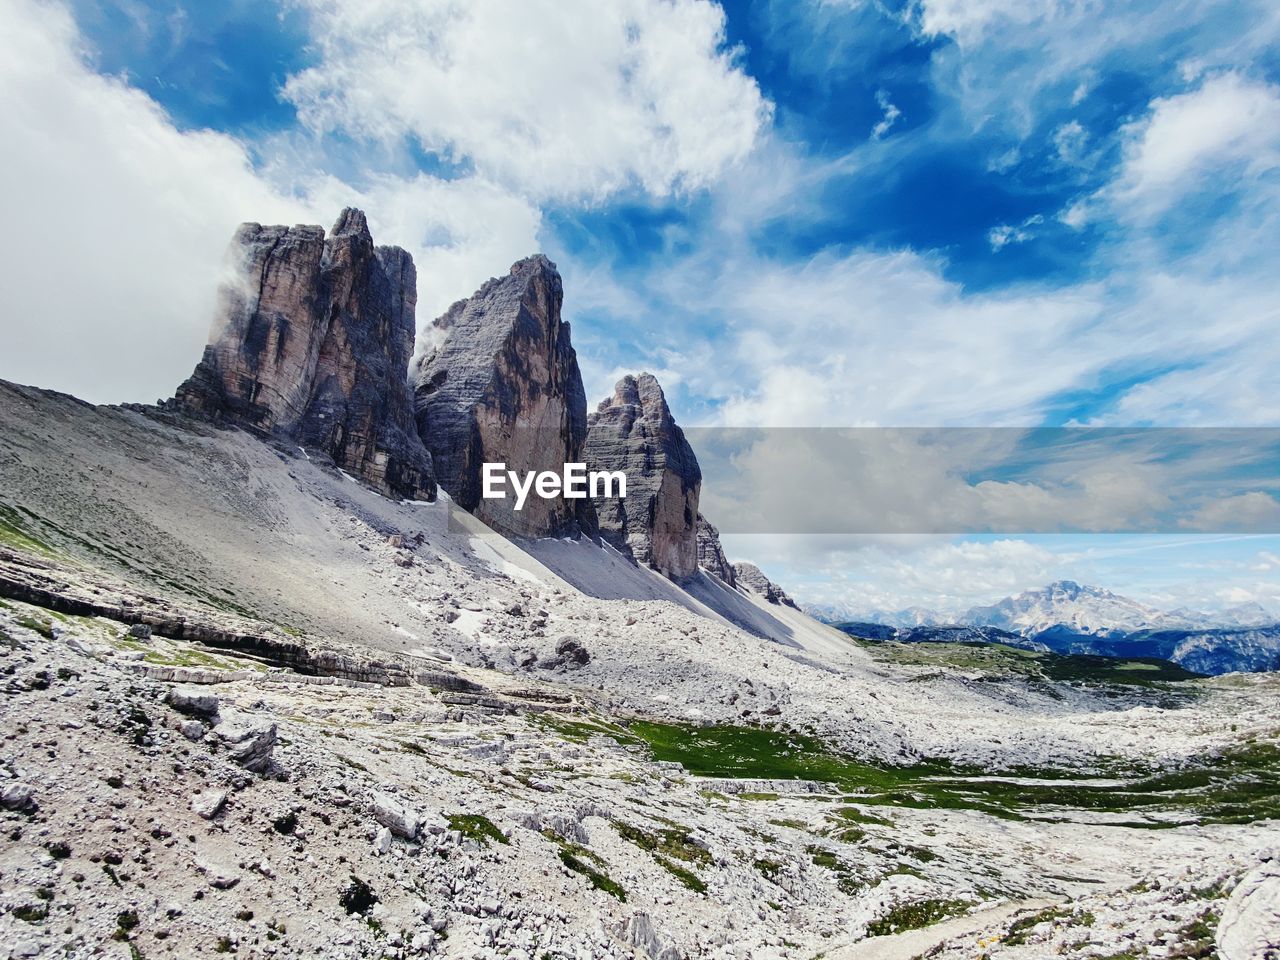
{"x": 750, "y": 576}
{"x": 711, "y": 554}
{"x": 312, "y": 343}
{"x": 656, "y": 523}
{"x": 502, "y": 385}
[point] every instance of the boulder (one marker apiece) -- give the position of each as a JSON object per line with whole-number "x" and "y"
{"x": 572, "y": 653}
{"x": 501, "y": 385}
{"x": 209, "y": 803}
{"x": 312, "y": 344}
{"x": 17, "y": 796}
{"x": 656, "y": 523}
{"x": 398, "y": 817}
{"x": 192, "y": 700}
{"x": 249, "y": 741}
{"x": 641, "y": 935}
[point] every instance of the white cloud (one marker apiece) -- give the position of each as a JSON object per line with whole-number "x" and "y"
{"x": 118, "y": 222}
{"x": 891, "y": 115}
{"x": 1226, "y": 131}
{"x": 1001, "y": 236}
{"x": 1070, "y": 139}
{"x": 1246, "y": 511}
{"x": 564, "y": 99}
{"x": 968, "y": 20}
{"x": 1011, "y": 62}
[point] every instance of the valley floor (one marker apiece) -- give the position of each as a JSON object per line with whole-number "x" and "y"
{"x": 366, "y": 728}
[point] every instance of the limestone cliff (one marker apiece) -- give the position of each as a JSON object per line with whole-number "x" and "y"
{"x": 711, "y": 555}
{"x": 312, "y": 343}
{"x": 656, "y": 523}
{"x": 502, "y": 385}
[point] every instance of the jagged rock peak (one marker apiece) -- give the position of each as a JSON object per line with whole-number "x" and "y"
{"x": 753, "y": 578}
{"x": 311, "y": 342}
{"x": 711, "y": 557}
{"x": 656, "y": 524}
{"x": 502, "y": 384}
{"x": 351, "y": 222}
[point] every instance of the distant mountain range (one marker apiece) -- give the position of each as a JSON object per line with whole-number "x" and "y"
{"x": 1068, "y": 617}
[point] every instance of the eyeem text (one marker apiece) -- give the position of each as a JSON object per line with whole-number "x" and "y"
{"x": 575, "y": 483}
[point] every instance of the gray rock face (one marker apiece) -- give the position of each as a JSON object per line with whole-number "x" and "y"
{"x": 656, "y": 523}
{"x": 711, "y": 555}
{"x": 502, "y": 385}
{"x": 313, "y": 344}
{"x": 753, "y": 578}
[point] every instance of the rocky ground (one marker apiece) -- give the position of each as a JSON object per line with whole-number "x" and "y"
{"x": 249, "y": 706}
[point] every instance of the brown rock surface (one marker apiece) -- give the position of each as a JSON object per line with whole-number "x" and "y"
{"x": 313, "y": 344}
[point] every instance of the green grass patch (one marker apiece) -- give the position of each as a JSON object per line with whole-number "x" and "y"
{"x": 769, "y": 869}
{"x": 579, "y": 730}
{"x": 998, "y": 660}
{"x": 1238, "y": 786}
{"x": 42, "y": 627}
{"x": 1021, "y": 928}
{"x": 686, "y": 877}
{"x": 847, "y": 880}
{"x": 16, "y": 533}
{"x": 570, "y": 857}
{"x": 476, "y": 827}
{"x": 913, "y": 916}
{"x": 669, "y": 841}
{"x": 586, "y": 862}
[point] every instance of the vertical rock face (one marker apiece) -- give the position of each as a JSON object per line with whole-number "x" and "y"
{"x": 711, "y": 555}
{"x": 313, "y": 344}
{"x": 257, "y": 369}
{"x": 633, "y": 431}
{"x": 753, "y": 578}
{"x": 502, "y": 385}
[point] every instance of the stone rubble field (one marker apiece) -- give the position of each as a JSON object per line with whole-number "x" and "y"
{"x": 248, "y": 706}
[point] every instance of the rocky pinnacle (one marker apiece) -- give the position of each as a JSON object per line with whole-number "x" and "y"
{"x": 711, "y": 554}
{"x": 656, "y": 523}
{"x": 502, "y": 385}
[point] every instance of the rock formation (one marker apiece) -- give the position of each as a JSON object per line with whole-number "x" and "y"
{"x": 502, "y": 386}
{"x": 752, "y": 578}
{"x": 711, "y": 555}
{"x": 656, "y": 524}
{"x": 312, "y": 343}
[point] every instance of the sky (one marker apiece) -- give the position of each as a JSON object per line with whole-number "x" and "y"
{"x": 802, "y": 213}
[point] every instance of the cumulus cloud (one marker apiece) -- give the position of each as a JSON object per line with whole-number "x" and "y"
{"x": 565, "y": 99}
{"x": 1226, "y": 131}
{"x": 118, "y": 222}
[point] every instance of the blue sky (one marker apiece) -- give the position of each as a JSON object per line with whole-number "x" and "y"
{"x": 803, "y": 213}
